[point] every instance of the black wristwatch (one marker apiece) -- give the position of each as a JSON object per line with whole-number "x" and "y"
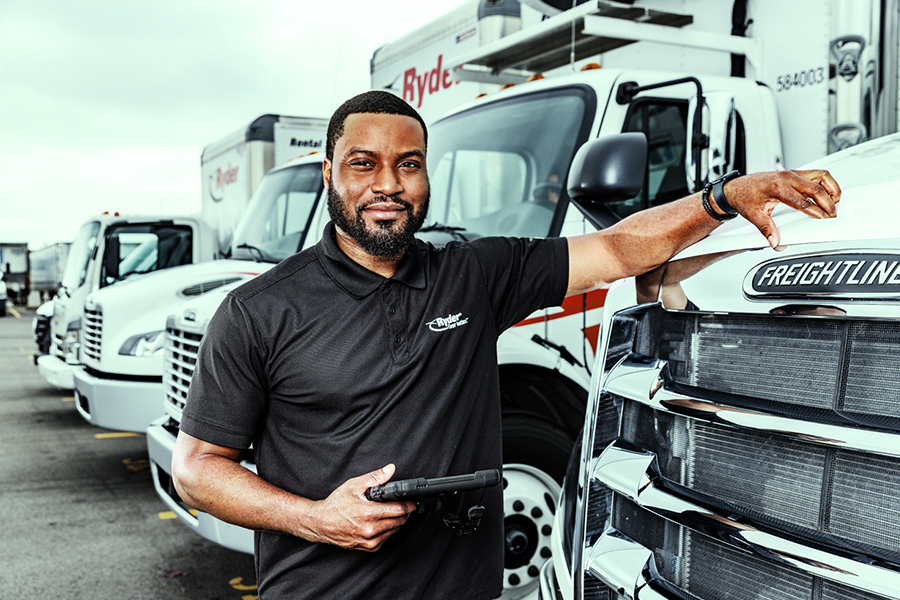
{"x": 717, "y": 187}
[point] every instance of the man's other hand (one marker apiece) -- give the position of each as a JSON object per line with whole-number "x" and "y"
{"x": 755, "y": 196}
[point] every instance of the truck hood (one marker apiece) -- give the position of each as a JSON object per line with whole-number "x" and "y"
{"x": 849, "y": 265}
{"x": 140, "y": 307}
{"x": 869, "y": 176}
{"x": 868, "y": 212}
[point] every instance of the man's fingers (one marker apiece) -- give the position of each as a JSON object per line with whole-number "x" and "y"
{"x": 384, "y": 510}
{"x": 818, "y": 188}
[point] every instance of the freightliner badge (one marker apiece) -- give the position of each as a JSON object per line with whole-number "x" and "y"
{"x": 850, "y": 274}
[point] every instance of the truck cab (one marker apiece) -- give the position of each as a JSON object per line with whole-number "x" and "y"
{"x": 119, "y": 386}
{"x": 742, "y": 434}
{"x": 110, "y": 249}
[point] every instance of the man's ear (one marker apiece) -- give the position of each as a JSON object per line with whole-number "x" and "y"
{"x": 326, "y": 171}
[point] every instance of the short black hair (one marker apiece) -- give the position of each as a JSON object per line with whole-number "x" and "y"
{"x": 373, "y": 102}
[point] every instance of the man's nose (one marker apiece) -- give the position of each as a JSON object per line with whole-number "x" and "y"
{"x": 387, "y": 182}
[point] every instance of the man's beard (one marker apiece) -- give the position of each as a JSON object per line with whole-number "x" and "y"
{"x": 389, "y": 239}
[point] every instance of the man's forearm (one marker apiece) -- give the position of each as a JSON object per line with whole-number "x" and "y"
{"x": 650, "y": 237}
{"x": 210, "y": 478}
{"x": 637, "y": 244}
{"x": 223, "y": 488}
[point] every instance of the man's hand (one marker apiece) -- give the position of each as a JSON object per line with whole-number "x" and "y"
{"x": 347, "y": 519}
{"x": 755, "y": 196}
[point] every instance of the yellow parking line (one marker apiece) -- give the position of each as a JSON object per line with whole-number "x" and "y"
{"x": 68, "y": 399}
{"x": 14, "y": 312}
{"x": 117, "y": 434}
{"x": 168, "y": 514}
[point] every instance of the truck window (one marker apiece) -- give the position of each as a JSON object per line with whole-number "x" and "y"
{"x": 500, "y": 169}
{"x": 664, "y": 122}
{"x": 149, "y": 247}
{"x": 278, "y": 214}
{"x": 79, "y": 255}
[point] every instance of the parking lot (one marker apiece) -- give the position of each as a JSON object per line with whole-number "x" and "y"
{"x": 80, "y": 517}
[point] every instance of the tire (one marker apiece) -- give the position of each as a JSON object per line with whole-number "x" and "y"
{"x": 538, "y": 443}
{"x": 535, "y": 456}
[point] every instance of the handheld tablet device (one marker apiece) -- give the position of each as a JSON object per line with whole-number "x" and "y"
{"x": 422, "y": 487}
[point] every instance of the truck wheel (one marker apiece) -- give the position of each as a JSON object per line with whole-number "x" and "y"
{"x": 535, "y": 455}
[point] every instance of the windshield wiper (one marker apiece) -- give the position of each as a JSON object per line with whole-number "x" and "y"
{"x": 440, "y": 228}
{"x": 258, "y": 255}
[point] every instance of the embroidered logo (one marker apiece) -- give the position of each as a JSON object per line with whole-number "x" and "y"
{"x": 448, "y": 322}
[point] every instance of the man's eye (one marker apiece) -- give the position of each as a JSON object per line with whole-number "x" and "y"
{"x": 410, "y": 165}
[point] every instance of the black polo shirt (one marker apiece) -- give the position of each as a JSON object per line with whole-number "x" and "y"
{"x": 332, "y": 371}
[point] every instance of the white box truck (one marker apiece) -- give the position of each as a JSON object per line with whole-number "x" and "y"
{"x": 119, "y": 386}
{"x": 723, "y": 94}
{"x": 109, "y": 249}
{"x": 45, "y": 269}
{"x": 230, "y": 170}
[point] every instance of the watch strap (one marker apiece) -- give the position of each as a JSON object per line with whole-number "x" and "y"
{"x": 718, "y": 192}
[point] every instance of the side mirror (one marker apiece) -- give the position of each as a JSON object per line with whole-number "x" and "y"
{"x": 111, "y": 257}
{"x": 711, "y": 153}
{"x": 608, "y": 169}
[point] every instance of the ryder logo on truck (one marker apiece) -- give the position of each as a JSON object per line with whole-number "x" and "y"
{"x": 851, "y": 274}
{"x": 220, "y": 180}
{"x": 416, "y": 86}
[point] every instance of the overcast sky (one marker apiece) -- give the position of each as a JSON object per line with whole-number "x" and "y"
{"x": 106, "y": 105}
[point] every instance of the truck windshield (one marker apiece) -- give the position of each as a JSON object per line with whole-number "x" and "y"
{"x": 79, "y": 255}
{"x": 143, "y": 248}
{"x": 278, "y": 215}
{"x": 500, "y": 169}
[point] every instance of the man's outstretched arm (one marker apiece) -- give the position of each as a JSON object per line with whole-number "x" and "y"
{"x": 650, "y": 237}
{"x": 210, "y": 478}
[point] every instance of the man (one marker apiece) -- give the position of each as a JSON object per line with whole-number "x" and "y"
{"x": 332, "y": 366}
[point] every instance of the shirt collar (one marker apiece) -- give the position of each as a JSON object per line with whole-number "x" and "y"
{"x": 358, "y": 281}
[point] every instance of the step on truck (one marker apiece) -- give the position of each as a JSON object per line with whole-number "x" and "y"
{"x": 742, "y": 437}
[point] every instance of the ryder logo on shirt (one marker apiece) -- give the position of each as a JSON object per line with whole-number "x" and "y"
{"x": 448, "y": 322}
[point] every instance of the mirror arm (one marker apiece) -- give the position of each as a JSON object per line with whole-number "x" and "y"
{"x": 626, "y": 92}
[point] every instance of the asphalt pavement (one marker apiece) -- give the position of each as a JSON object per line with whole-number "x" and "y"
{"x": 79, "y": 517}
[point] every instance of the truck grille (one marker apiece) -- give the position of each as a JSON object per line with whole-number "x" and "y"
{"x": 724, "y": 408}
{"x": 181, "y": 357}
{"x": 705, "y": 568}
{"x": 93, "y": 332}
{"x": 848, "y": 368}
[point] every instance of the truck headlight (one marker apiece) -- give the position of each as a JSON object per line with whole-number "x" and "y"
{"x": 71, "y": 344}
{"x": 145, "y": 344}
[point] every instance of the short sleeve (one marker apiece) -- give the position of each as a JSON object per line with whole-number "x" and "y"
{"x": 522, "y": 275}
{"x": 227, "y": 397}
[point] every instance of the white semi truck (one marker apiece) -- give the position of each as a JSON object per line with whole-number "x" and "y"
{"x": 742, "y": 437}
{"x": 499, "y": 165}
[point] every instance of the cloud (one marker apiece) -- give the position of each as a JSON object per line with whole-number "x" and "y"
{"x": 106, "y": 105}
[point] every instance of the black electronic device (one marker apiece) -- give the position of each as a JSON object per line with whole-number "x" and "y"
{"x": 423, "y": 487}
